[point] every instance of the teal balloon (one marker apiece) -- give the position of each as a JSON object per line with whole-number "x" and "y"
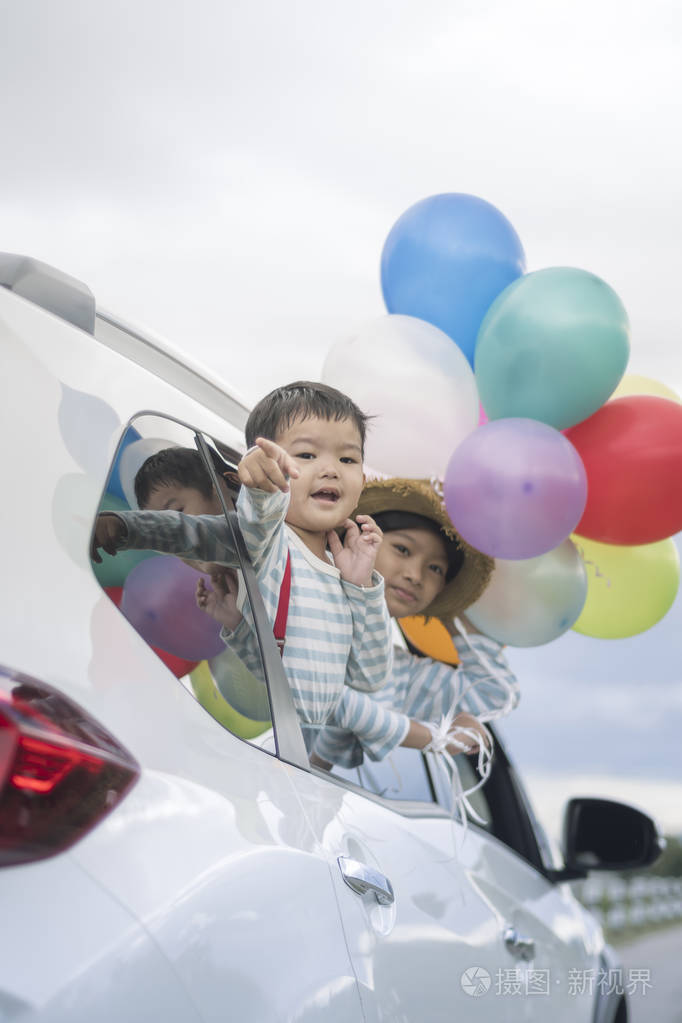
{"x": 113, "y": 571}
{"x": 553, "y": 347}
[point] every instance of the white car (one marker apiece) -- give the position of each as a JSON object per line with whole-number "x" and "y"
{"x": 156, "y": 865}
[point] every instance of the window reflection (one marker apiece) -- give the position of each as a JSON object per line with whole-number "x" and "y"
{"x": 191, "y": 611}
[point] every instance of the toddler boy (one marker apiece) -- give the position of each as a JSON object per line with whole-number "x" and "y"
{"x": 301, "y": 479}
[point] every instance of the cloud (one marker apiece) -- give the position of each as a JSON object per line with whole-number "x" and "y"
{"x": 549, "y": 793}
{"x": 227, "y": 174}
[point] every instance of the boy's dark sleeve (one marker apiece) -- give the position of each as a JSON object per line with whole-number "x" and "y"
{"x": 202, "y": 537}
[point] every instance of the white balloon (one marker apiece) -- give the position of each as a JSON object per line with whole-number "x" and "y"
{"x": 417, "y": 383}
{"x": 533, "y": 601}
{"x": 133, "y": 458}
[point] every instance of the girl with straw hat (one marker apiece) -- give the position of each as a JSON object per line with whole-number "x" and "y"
{"x": 428, "y": 570}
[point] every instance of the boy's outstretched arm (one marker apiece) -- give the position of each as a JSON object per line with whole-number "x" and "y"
{"x": 199, "y": 537}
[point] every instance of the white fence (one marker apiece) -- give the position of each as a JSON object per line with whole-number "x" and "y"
{"x": 641, "y": 900}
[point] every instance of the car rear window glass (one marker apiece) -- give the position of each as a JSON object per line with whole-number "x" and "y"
{"x": 190, "y": 606}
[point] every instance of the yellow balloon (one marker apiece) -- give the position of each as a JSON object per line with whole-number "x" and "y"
{"x": 633, "y": 384}
{"x": 629, "y": 589}
{"x": 210, "y": 697}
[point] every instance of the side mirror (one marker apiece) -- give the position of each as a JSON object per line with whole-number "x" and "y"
{"x": 600, "y": 834}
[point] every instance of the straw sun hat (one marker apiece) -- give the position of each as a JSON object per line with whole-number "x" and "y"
{"x": 418, "y": 497}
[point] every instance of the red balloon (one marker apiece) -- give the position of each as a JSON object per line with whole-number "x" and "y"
{"x": 178, "y": 665}
{"x": 632, "y": 452}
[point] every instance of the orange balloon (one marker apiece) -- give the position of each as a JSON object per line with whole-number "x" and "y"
{"x": 431, "y": 638}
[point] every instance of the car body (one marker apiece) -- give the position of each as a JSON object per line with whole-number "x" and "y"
{"x": 224, "y": 878}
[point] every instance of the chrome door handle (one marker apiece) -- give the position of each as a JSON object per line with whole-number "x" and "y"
{"x": 520, "y": 947}
{"x": 363, "y": 879}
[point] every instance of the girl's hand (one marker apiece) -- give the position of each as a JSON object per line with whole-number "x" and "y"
{"x": 471, "y": 724}
{"x": 355, "y": 557}
{"x": 267, "y": 466}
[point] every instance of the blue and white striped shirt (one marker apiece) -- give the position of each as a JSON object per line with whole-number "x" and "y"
{"x": 422, "y": 689}
{"x": 338, "y": 634}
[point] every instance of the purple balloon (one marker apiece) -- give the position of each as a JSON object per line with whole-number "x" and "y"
{"x": 158, "y": 601}
{"x": 515, "y": 488}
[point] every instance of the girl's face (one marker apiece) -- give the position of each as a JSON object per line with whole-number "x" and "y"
{"x": 414, "y": 564}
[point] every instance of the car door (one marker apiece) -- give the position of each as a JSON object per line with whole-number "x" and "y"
{"x": 552, "y": 955}
{"x": 431, "y": 951}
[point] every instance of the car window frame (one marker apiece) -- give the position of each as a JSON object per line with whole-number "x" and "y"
{"x": 289, "y": 743}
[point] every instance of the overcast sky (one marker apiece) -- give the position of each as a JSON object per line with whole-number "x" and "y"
{"x": 226, "y": 174}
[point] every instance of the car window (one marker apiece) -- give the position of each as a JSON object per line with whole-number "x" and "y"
{"x": 408, "y": 774}
{"x": 173, "y": 603}
{"x": 469, "y": 779}
{"x": 506, "y": 808}
{"x": 401, "y": 775}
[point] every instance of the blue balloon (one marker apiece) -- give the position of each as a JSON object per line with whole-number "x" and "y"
{"x": 115, "y": 485}
{"x": 445, "y": 261}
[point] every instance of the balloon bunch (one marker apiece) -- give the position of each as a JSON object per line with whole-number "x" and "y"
{"x": 498, "y": 382}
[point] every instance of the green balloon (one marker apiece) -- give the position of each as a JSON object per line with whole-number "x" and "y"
{"x": 113, "y": 571}
{"x": 553, "y": 347}
{"x": 629, "y": 589}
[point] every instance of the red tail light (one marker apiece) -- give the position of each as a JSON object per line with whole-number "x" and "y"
{"x": 60, "y": 771}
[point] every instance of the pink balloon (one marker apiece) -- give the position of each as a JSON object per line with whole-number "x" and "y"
{"x": 158, "y": 601}
{"x": 482, "y": 417}
{"x": 515, "y": 488}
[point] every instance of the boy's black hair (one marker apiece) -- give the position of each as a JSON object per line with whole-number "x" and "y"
{"x": 390, "y": 521}
{"x": 304, "y": 398}
{"x": 172, "y": 465}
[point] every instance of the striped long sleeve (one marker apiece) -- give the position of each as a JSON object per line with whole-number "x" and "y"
{"x": 199, "y": 537}
{"x": 420, "y": 689}
{"x": 371, "y": 651}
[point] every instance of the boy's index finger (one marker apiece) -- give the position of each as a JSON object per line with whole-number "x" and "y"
{"x": 279, "y": 455}
{"x": 270, "y": 447}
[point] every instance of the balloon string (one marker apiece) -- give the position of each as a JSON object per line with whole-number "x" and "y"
{"x": 443, "y": 738}
{"x": 586, "y": 561}
{"x": 508, "y": 705}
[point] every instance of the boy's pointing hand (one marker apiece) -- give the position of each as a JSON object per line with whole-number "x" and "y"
{"x": 267, "y": 466}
